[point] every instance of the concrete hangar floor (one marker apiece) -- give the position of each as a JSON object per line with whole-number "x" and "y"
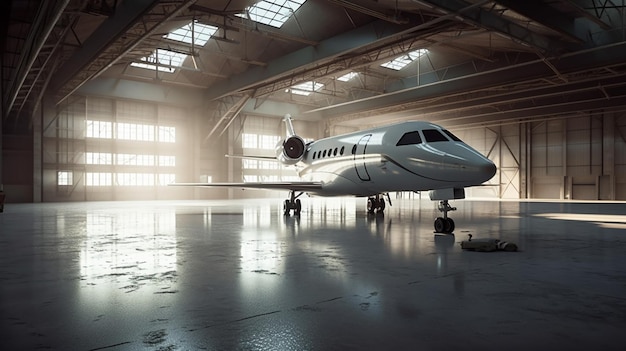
{"x": 237, "y": 275}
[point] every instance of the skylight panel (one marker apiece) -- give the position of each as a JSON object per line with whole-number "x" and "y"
{"x": 400, "y": 62}
{"x": 272, "y": 12}
{"x": 162, "y": 60}
{"x": 346, "y": 77}
{"x": 306, "y": 88}
{"x": 201, "y": 33}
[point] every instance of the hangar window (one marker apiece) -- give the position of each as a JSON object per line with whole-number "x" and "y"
{"x": 306, "y": 88}
{"x": 98, "y": 179}
{"x": 346, "y": 77}
{"x": 272, "y": 12}
{"x": 99, "y": 129}
{"x": 162, "y": 60}
{"x": 199, "y": 33}
{"x": 167, "y": 134}
{"x": 98, "y": 158}
{"x": 65, "y": 178}
{"x": 167, "y": 161}
{"x": 166, "y": 60}
{"x": 410, "y": 138}
{"x": 402, "y": 61}
{"x": 433, "y": 135}
{"x": 134, "y": 179}
{"x": 167, "y": 178}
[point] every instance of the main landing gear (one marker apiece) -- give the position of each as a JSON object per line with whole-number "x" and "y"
{"x": 444, "y": 224}
{"x": 293, "y": 203}
{"x": 376, "y": 204}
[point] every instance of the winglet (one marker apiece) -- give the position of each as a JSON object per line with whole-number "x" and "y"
{"x": 288, "y": 125}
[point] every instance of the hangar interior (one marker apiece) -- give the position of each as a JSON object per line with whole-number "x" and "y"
{"x": 114, "y": 99}
{"x": 106, "y": 102}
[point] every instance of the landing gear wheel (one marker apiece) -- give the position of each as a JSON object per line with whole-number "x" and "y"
{"x": 298, "y": 208}
{"x": 440, "y": 225}
{"x": 381, "y": 205}
{"x": 286, "y": 207}
{"x": 448, "y": 225}
{"x": 371, "y": 205}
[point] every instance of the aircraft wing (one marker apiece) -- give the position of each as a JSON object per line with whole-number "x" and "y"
{"x": 258, "y": 158}
{"x": 295, "y": 186}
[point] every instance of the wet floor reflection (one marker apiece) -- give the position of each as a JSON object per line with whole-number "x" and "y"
{"x": 131, "y": 249}
{"x": 239, "y": 275}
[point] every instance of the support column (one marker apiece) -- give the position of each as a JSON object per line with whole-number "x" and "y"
{"x": 607, "y": 180}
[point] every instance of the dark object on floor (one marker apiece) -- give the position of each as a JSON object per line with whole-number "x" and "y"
{"x": 487, "y": 245}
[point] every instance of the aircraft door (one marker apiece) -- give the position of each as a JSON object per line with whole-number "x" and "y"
{"x": 359, "y": 158}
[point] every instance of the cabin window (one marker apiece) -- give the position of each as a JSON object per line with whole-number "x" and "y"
{"x": 335, "y": 152}
{"x": 452, "y": 136}
{"x": 314, "y": 155}
{"x": 341, "y": 151}
{"x": 324, "y": 153}
{"x": 433, "y": 135}
{"x": 410, "y": 138}
{"x": 354, "y": 149}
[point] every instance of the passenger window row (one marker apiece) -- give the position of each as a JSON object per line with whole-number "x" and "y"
{"x": 329, "y": 153}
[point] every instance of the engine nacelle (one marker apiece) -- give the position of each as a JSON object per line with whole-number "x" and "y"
{"x": 291, "y": 150}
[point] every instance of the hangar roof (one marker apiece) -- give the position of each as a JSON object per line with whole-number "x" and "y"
{"x": 465, "y": 62}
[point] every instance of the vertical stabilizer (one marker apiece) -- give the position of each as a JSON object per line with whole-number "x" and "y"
{"x": 288, "y": 125}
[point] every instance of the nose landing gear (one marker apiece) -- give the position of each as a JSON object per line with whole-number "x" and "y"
{"x": 444, "y": 224}
{"x": 293, "y": 203}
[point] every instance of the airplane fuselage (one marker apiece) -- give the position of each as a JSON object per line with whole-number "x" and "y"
{"x": 409, "y": 156}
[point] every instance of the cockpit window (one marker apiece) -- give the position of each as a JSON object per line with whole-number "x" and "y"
{"x": 452, "y": 136}
{"x": 410, "y": 138}
{"x": 433, "y": 135}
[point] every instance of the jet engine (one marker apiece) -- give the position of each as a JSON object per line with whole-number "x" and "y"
{"x": 291, "y": 150}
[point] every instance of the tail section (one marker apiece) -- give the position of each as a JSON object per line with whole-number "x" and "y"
{"x": 291, "y": 150}
{"x": 288, "y": 126}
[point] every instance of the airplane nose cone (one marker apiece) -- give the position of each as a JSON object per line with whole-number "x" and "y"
{"x": 488, "y": 169}
{"x": 473, "y": 169}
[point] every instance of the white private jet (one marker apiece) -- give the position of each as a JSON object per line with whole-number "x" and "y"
{"x": 409, "y": 156}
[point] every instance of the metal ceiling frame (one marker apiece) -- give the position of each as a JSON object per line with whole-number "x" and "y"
{"x": 47, "y": 17}
{"x": 481, "y": 17}
{"x": 468, "y": 79}
{"x": 152, "y": 15}
{"x": 309, "y": 56}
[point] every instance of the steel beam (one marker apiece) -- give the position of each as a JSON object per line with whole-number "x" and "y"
{"x": 126, "y": 14}
{"x": 308, "y": 56}
{"x": 468, "y": 79}
{"x": 47, "y": 17}
{"x": 545, "y": 15}
{"x": 493, "y": 22}
{"x": 146, "y": 91}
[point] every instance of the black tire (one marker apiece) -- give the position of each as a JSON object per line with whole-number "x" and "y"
{"x": 381, "y": 205}
{"x": 298, "y": 207}
{"x": 286, "y": 207}
{"x": 439, "y": 225}
{"x": 371, "y": 205}
{"x": 449, "y": 225}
